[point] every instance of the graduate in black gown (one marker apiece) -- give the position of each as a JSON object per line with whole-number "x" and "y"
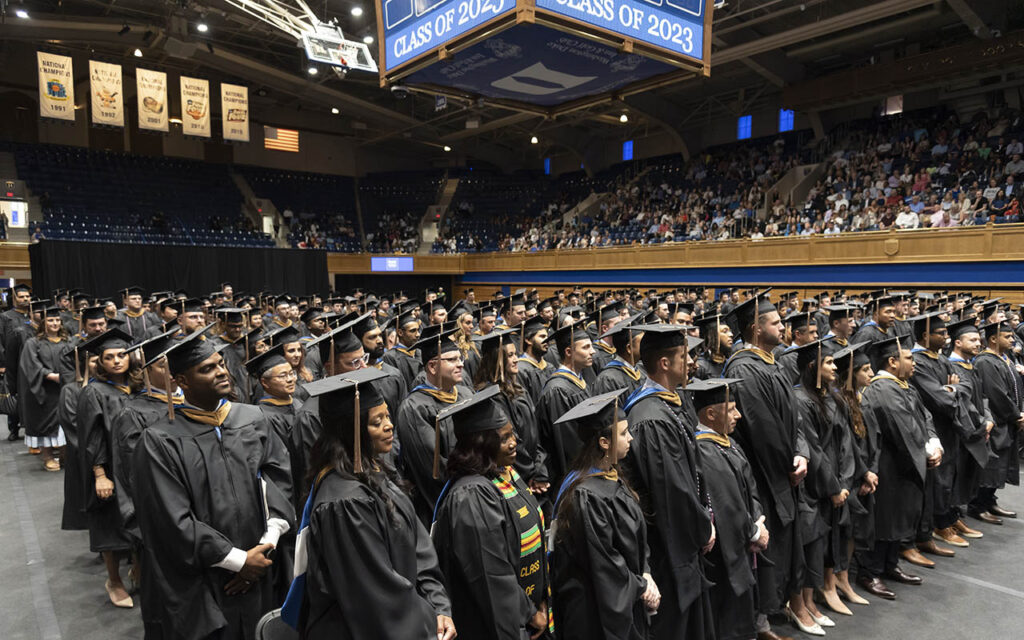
{"x": 18, "y": 334}
{"x": 488, "y": 530}
{"x": 882, "y": 324}
{"x": 803, "y": 331}
{"x": 294, "y": 352}
{"x": 564, "y": 390}
{"x": 117, "y": 378}
{"x": 622, "y": 370}
{"x": 360, "y": 528}
{"x": 601, "y": 580}
{"x": 605, "y": 318}
{"x": 154, "y": 402}
{"x": 739, "y": 519}
{"x": 403, "y": 357}
{"x": 138, "y": 322}
{"x": 19, "y": 297}
{"x": 771, "y": 435}
{"x": 1002, "y": 386}
{"x": 907, "y": 446}
{"x": 965, "y": 339}
{"x": 499, "y": 365}
{"x": 232, "y": 335}
{"x": 392, "y": 387}
{"x": 664, "y": 466}
{"x": 42, "y": 374}
{"x": 209, "y": 555}
{"x": 424, "y": 439}
{"x": 534, "y": 370}
{"x": 717, "y": 337}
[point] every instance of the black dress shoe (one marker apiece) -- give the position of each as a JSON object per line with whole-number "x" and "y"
{"x": 900, "y": 576}
{"x": 876, "y": 587}
{"x": 1002, "y": 513}
{"x": 985, "y": 516}
{"x": 13, "y": 436}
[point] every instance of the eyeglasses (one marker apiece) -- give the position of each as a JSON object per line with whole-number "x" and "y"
{"x": 455, "y": 360}
{"x": 359, "y": 363}
{"x": 288, "y": 375}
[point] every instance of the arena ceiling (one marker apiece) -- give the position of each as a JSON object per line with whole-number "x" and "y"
{"x": 758, "y": 47}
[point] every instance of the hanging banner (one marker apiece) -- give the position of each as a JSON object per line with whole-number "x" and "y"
{"x": 195, "y": 107}
{"x": 234, "y": 108}
{"x": 56, "y": 86}
{"x": 151, "y": 87}
{"x": 105, "y": 87}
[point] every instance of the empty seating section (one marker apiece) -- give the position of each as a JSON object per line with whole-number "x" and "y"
{"x": 105, "y": 196}
{"x": 321, "y": 207}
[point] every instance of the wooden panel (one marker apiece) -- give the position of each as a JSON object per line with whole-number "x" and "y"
{"x": 13, "y": 256}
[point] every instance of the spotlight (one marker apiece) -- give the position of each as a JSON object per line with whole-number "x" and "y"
{"x": 138, "y": 53}
{"x": 311, "y": 70}
{"x": 335, "y": 110}
{"x": 623, "y": 118}
{"x": 202, "y": 27}
{"x": 447, "y": 148}
{"x": 125, "y": 29}
{"x": 357, "y": 11}
{"x": 367, "y": 39}
{"x": 21, "y": 13}
{"x": 534, "y": 140}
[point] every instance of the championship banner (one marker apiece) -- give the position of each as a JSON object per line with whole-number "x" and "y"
{"x": 195, "y": 107}
{"x": 234, "y": 108}
{"x": 105, "y": 87}
{"x": 56, "y": 87}
{"x": 151, "y": 87}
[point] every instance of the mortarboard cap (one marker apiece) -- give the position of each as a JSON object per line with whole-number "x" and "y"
{"x": 109, "y": 339}
{"x": 190, "y": 351}
{"x": 712, "y": 391}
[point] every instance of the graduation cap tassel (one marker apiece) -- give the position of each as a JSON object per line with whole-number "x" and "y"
{"x": 437, "y": 448}
{"x": 849, "y": 374}
{"x": 330, "y": 359}
{"x": 817, "y": 382}
{"x": 78, "y": 365}
{"x": 357, "y": 455}
{"x": 613, "y": 447}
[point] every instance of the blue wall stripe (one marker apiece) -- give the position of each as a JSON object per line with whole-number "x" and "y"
{"x": 1010, "y": 272}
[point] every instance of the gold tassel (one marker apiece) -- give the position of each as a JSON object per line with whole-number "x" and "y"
{"x": 613, "y": 447}
{"x": 78, "y": 366}
{"x": 357, "y": 455}
{"x": 817, "y": 383}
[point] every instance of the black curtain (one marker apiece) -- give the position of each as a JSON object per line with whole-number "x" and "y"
{"x": 101, "y": 269}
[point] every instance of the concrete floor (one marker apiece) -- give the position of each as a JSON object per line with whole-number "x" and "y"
{"x": 52, "y": 587}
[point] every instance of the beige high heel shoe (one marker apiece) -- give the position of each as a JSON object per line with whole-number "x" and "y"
{"x": 124, "y": 603}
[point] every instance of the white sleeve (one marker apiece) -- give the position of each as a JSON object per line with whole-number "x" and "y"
{"x": 234, "y": 561}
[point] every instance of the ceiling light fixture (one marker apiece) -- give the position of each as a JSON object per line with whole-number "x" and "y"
{"x": 21, "y": 13}
{"x": 623, "y": 118}
{"x": 447, "y": 148}
{"x": 138, "y": 53}
{"x": 534, "y": 140}
{"x": 367, "y": 39}
{"x": 311, "y": 71}
{"x": 202, "y": 27}
{"x": 335, "y": 110}
{"x": 357, "y": 11}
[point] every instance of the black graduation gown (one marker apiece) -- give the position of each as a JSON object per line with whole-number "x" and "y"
{"x": 709, "y": 367}
{"x": 314, "y": 363}
{"x": 903, "y": 427}
{"x": 664, "y": 464}
{"x": 199, "y": 494}
{"x": 370, "y": 574}
{"x": 975, "y": 455}
{"x": 771, "y": 435}
{"x": 871, "y": 332}
{"x": 531, "y": 459}
{"x": 39, "y": 398}
{"x": 532, "y": 376}
{"x": 9, "y": 319}
{"x": 415, "y": 433}
{"x": 393, "y": 387}
{"x": 17, "y": 336}
{"x": 470, "y": 362}
{"x": 560, "y": 442}
{"x": 142, "y": 411}
{"x": 478, "y": 546}
{"x": 407, "y": 362}
{"x": 733, "y": 493}
{"x": 73, "y": 516}
{"x": 139, "y": 326}
{"x": 788, "y": 365}
{"x": 598, "y": 564}
{"x": 617, "y": 374}
{"x": 603, "y": 354}
{"x": 943, "y": 402}
{"x": 235, "y": 358}
{"x": 70, "y": 322}
{"x": 98, "y": 406}
{"x": 862, "y": 508}
{"x": 282, "y": 416}
{"x": 1002, "y": 387}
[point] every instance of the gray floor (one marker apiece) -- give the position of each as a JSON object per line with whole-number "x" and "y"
{"x": 52, "y": 587}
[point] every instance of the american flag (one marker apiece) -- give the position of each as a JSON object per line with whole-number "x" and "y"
{"x": 281, "y": 139}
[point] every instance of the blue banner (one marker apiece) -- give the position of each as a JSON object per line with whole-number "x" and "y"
{"x": 415, "y": 27}
{"x": 542, "y": 66}
{"x": 676, "y": 25}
